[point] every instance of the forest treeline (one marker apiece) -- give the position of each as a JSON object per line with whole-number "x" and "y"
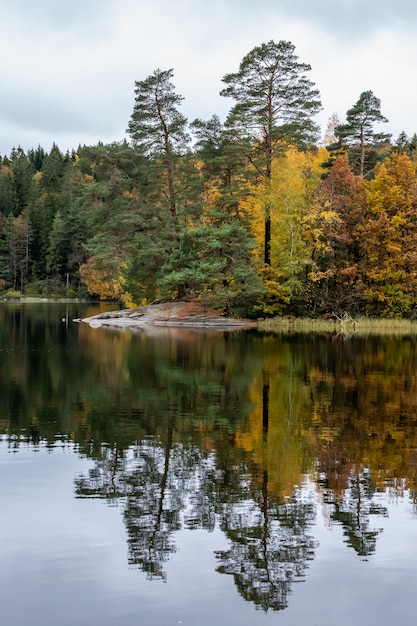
{"x": 257, "y": 215}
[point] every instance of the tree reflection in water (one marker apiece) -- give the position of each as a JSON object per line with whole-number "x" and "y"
{"x": 353, "y": 510}
{"x": 270, "y": 547}
{"x": 198, "y": 431}
{"x": 165, "y": 488}
{"x": 225, "y": 441}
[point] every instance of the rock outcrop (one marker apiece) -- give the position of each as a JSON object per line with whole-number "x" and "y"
{"x": 172, "y": 314}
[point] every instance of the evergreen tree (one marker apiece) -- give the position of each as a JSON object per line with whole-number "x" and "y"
{"x": 214, "y": 260}
{"x": 8, "y": 199}
{"x": 68, "y": 231}
{"x": 17, "y": 237}
{"x": 37, "y": 157}
{"x": 406, "y": 145}
{"x": 158, "y": 129}
{"x": 23, "y": 178}
{"x": 359, "y": 128}
{"x": 275, "y": 103}
{"x": 4, "y": 254}
{"x": 41, "y": 214}
{"x": 53, "y": 167}
{"x": 107, "y": 215}
{"x": 225, "y": 165}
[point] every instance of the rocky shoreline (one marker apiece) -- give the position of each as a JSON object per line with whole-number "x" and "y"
{"x": 169, "y": 314}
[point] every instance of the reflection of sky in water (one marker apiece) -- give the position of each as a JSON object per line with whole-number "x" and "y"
{"x": 64, "y": 561}
{"x": 349, "y": 590}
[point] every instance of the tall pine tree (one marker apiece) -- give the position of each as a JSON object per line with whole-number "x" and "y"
{"x": 275, "y": 103}
{"x": 359, "y": 128}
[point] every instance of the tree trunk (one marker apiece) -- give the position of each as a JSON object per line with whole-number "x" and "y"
{"x": 267, "y": 240}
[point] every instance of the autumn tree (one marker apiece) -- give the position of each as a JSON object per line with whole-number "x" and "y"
{"x": 389, "y": 258}
{"x": 293, "y": 198}
{"x": 336, "y": 257}
{"x": 275, "y": 103}
{"x": 358, "y": 131}
{"x": 294, "y": 195}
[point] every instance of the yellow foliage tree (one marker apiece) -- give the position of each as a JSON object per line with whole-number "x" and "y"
{"x": 103, "y": 278}
{"x": 389, "y": 257}
{"x": 291, "y": 197}
{"x": 294, "y": 188}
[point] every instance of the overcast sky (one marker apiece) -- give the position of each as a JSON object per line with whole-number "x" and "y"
{"x": 68, "y": 67}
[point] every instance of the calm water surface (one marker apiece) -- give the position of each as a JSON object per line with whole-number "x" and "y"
{"x": 184, "y": 477}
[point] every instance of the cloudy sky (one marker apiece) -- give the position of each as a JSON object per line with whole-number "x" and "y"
{"x": 68, "y": 67}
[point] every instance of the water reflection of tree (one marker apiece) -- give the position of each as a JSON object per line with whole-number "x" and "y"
{"x": 270, "y": 546}
{"x": 167, "y": 486}
{"x": 185, "y": 395}
{"x": 163, "y": 487}
{"x": 187, "y": 429}
{"x": 354, "y": 509}
{"x": 189, "y": 467}
{"x": 153, "y": 506}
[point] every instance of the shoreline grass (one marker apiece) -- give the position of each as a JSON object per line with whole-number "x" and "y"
{"x": 346, "y": 325}
{"x": 359, "y": 326}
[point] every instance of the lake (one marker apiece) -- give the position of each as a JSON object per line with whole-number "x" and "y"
{"x": 179, "y": 476}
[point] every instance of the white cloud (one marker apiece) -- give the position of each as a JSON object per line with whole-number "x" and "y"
{"x": 69, "y": 72}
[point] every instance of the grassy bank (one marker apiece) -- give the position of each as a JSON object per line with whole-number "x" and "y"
{"x": 361, "y": 325}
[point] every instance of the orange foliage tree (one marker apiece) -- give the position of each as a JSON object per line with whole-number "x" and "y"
{"x": 388, "y": 245}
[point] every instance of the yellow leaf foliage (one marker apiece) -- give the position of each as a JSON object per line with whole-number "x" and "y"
{"x": 102, "y": 279}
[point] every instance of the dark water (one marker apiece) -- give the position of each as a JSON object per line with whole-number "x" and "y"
{"x": 183, "y": 477}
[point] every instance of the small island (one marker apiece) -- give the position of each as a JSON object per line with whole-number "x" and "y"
{"x": 172, "y": 314}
